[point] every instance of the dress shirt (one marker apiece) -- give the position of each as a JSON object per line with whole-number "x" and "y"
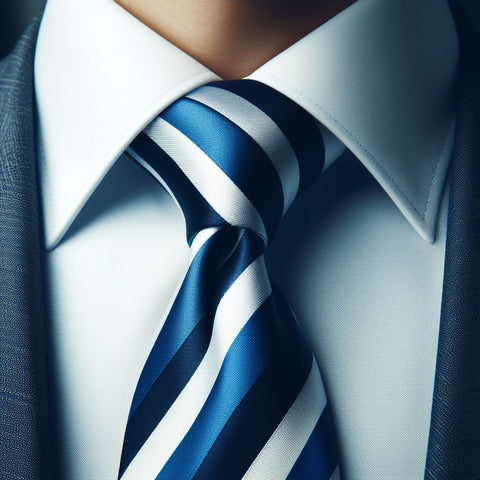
{"x": 364, "y": 275}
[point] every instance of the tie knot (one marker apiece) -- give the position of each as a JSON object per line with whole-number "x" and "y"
{"x": 234, "y": 153}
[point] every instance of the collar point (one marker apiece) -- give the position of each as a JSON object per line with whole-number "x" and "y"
{"x": 52, "y": 237}
{"x": 428, "y": 234}
{"x": 425, "y": 227}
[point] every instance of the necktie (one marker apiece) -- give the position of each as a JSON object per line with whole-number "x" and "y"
{"x": 230, "y": 389}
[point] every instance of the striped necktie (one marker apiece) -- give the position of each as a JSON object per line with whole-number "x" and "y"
{"x": 230, "y": 389}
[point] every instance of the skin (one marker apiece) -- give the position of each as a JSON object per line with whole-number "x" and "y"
{"x": 233, "y": 37}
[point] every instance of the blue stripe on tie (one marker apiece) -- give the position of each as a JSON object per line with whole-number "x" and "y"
{"x": 198, "y": 212}
{"x": 238, "y": 374}
{"x": 281, "y": 382}
{"x": 164, "y": 391}
{"x": 268, "y": 362}
{"x": 247, "y": 251}
{"x": 256, "y": 359}
{"x": 165, "y": 375}
{"x": 320, "y": 453}
{"x": 234, "y": 152}
{"x": 296, "y": 124}
{"x": 180, "y": 346}
{"x": 185, "y": 315}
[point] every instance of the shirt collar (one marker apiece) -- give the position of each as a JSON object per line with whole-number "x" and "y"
{"x": 380, "y": 76}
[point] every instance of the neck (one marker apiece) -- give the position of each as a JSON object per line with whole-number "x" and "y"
{"x": 233, "y": 37}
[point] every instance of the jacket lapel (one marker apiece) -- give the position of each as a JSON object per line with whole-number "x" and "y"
{"x": 454, "y": 443}
{"x": 23, "y": 392}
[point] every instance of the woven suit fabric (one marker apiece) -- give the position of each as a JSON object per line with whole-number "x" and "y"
{"x": 231, "y": 388}
{"x": 454, "y": 441}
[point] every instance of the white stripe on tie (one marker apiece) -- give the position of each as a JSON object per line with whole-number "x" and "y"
{"x": 226, "y": 198}
{"x": 258, "y": 125}
{"x": 234, "y": 310}
{"x": 280, "y": 453}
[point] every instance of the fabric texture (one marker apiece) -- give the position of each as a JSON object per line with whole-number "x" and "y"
{"x": 454, "y": 444}
{"x": 23, "y": 446}
{"x": 347, "y": 44}
{"x": 23, "y": 388}
{"x": 231, "y": 378}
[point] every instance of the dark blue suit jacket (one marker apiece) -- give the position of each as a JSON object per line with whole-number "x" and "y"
{"x": 25, "y": 417}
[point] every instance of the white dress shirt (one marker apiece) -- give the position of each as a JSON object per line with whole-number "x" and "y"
{"x": 359, "y": 256}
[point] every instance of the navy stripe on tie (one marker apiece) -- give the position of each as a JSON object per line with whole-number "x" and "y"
{"x": 234, "y": 152}
{"x": 266, "y": 344}
{"x": 320, "y": 453}
{"x": 281, "y": 381}
{"x": 165, "y": 390}
{"x": 243, "y": 256}
{"x": 174, "y": 332}
{"x": 297, "y": 124}
{"x": 238, "y": 374}
{"x": 253, "y": 374}
{"x": 167, "y": 372}
{"x": 180, "y": 346}
{"x": 198, "y": 212}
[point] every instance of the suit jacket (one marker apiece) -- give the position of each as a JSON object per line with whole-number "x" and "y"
{"x": 26, "y": 419}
